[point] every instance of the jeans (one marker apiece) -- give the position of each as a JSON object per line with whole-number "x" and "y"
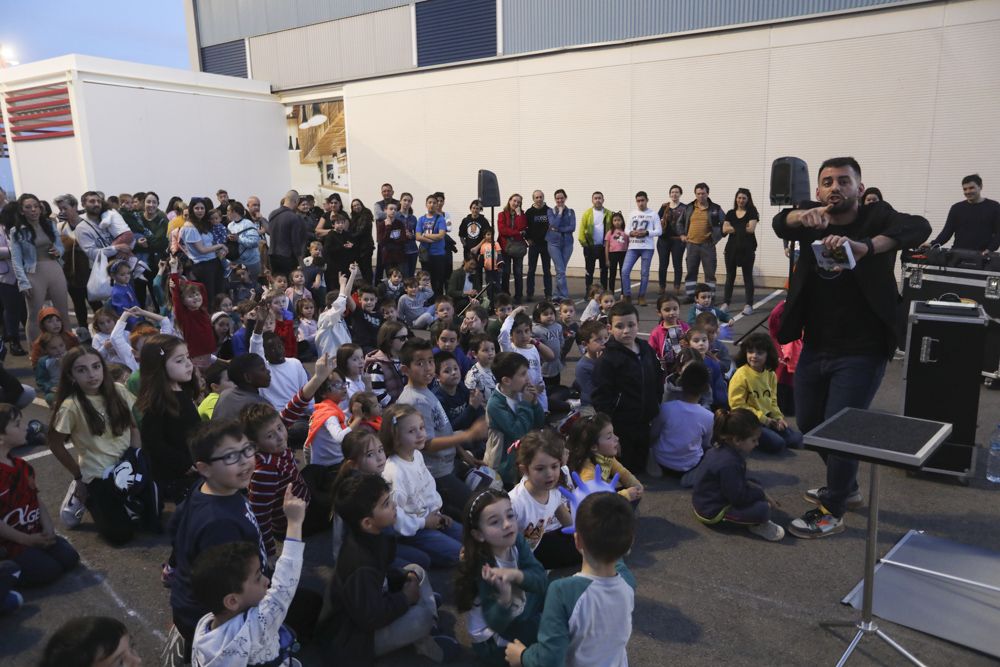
{"x": 535, "y": 250}
{"x": 703, "y": 254}
{"x": 774, "y": 442}
{"x": 668, "y": 248}
{"x": 515, "y": 264}
{"x": 594, "y": 254}
{"x": 560, "y": 253}
{"x": 43, "y": 565}
{"x": 442, "y": 546}
{"x": 631, "y": 257}
{"x": 411, "y": 265}
{"x": 744, "y": 262}
{"x": 413, "y": 625}
{"x": 758, "y": 512}
{"x": 826, "y": 383}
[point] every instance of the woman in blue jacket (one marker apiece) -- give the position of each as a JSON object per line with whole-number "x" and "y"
{"x": 562, "y": 224}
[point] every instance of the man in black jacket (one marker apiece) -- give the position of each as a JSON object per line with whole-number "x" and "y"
{"x": 288, "y": 235}
{"x": 846, "y": 319}
{"x": 701, "y": 227}
{"x": 538, "y": 225}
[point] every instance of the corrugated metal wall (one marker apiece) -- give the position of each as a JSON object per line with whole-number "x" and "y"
{"x": 335, "y": 50}
{"x": 450, "y": 31}
{"x": 225, "y": 20}
{"x": 531, "y": 25}
{"x": 228, "y": 58}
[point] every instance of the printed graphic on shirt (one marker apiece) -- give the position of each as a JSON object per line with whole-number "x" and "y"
{"x": 638, "y": 223}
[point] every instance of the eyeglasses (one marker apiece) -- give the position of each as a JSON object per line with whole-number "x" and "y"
{"x": 401, "y": 337}
{"x": 337, "y": 385}
{"x": 232, "y": 458}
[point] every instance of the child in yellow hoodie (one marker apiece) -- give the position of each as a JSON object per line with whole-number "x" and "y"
{"x": 592, "y": 442}
{"x": 754, "y": 386}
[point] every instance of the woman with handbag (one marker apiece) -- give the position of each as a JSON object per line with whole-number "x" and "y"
{"x": 511, "y": 226}
{"x": 36, "y": 256}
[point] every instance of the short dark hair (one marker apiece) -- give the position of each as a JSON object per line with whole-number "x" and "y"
{"x": 207, "y": 437}
{"x": 254, "y": 416}
{"x": 837, "y": 162}
{"x": 702, "y": 186}
{"x": 441, "y": 357}
{"x": 973, "y": 178}
{"x": 758, "y": 342}
{"x": 240, "y": 364}
{"x": 706, "y": 319}
{"x": 694, "y": 379}
{"x": 213, "y": 374}
{"x": 356, "y": 496}
{"x": 588, "y": 330}
{"x": 520, "y": 320}
{"x": 83, "y": 641}
{"x": 502, "y": 299}
{"x": 605, "y": 523}
{"x": 596, "y": 192}
{"x": 409, "y": 282}
{"x": 411, "y": 347}
{"x": 476, "y": 341}
{"x": 701, "y": 288}
{"x": 8, "y": 413}
{"x": 506, "y": 364}
{"x": 621, "y": 309}
{"x": 641, "y": 193}
{"x": 221, "y": 570}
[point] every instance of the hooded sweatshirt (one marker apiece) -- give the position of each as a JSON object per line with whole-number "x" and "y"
{"x": 69, "y": 337}
{"x": 251, "y": 638}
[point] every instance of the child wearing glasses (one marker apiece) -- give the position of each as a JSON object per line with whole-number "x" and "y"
{"x": 215, "y": 512}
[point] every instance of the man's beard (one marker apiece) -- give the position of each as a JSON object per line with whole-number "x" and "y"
{"x": 843, "y": 206}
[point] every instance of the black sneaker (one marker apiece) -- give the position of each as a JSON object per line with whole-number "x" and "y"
{"x": 15, "y": 348}
{"x": 853, "y": 502}
{"x": 816, "y": 523}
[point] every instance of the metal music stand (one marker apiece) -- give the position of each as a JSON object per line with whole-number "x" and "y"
{"x": 880, "y": 439}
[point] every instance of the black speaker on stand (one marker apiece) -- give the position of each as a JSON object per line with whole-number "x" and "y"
{"x": 489, "y": 194}
{"x": 789, "y": 187}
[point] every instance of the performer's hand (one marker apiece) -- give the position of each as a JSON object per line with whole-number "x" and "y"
{"x": 816, "y": 218}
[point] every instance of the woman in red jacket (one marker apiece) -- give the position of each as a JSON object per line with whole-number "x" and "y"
{"x": 511, "y": 225}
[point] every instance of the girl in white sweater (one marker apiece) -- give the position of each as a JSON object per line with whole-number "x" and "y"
{"x": 419, "y": 520}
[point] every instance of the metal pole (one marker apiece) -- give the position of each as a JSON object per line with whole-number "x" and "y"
{"x": 871, "y": 546}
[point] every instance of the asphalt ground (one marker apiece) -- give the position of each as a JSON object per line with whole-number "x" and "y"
{"x": 705, "y": 596}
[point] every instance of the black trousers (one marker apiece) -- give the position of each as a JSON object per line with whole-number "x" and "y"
{"x": 211, "y": 276}
{"x": 283, "y": 265}
{"x": 744, "y": 261}
{"x": 615, "y": 261}
{"x": 594, "y": 254}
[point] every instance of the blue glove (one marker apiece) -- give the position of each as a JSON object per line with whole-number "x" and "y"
{"x": 584, "y": 489}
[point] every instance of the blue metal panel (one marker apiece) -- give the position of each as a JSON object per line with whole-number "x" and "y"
{"x": 453, "y": 30}
{"x": 229, "y": 58}
{"x": 532, "y": 25}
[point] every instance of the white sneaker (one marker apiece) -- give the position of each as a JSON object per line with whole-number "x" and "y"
{"x": 724, "y": 307}
{"x": 72, "y": 509}
{"x": 769, "y": 530}
{"x": 653, "y": 468}
{"x": 747, "y": 310}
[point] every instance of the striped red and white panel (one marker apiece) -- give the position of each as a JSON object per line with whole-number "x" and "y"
{"x": 42, "y": 112}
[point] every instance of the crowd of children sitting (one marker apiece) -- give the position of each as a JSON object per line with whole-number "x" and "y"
{"x": 416, "y": 451}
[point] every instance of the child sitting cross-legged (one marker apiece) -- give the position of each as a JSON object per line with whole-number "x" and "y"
{"x": 588, "y": 617}
{"x": 27, "y": 534}
{"x": 47, "y": 371}
{"x": 372, "y": 607}
{"x": 724, "y": 493}
{"x": 246, "y": 608}
{"x": 684, "y": 429}
{"x": 512, "y": 411}
{"x": 703, "y": 297}
{"x": 499, "y": 582}
{"x": 540, "y": 510}
{"x": 419, "y": 522}
{"x": 592, "y": 442}
{"x": 480, "y": 377}
{"x": 754, "y": 386}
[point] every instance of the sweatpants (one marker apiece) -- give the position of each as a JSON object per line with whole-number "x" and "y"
{"x": 412, "y": 626}
{"x": 107, "y": 508}
{"x": 48, "y": 283}
{"x": 43, "y": 565}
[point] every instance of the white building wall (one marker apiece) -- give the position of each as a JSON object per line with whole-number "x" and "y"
{"x": 910, "y": 92}
{"x": 139, "y": 127}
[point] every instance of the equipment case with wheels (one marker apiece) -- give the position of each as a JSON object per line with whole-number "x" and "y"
{"x": 942, "y": 380}
{"x": 923, "y": 281}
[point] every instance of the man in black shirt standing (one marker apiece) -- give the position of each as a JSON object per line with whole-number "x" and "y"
{"x": 538, "y": 225}
{"x": 288, "y": 235}
{"x": 847, "y": 319}
{"x": 974, "y": 222}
